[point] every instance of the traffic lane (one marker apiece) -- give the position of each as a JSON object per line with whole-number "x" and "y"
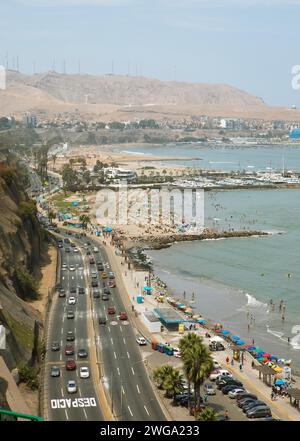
{"x": 141, "y": 389}
{"x": 115, "y": 348}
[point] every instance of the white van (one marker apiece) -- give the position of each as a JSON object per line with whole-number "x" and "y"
{"x": 96, "y": 250}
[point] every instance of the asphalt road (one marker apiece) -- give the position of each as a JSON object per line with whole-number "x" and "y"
{"x": 63, "y": 406}
{"x": 124, "y": 373}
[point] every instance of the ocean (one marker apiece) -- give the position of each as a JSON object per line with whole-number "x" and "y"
{"x": 235, "y": 280}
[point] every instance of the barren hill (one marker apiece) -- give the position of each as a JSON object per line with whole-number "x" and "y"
{"x": 124, "y": 98}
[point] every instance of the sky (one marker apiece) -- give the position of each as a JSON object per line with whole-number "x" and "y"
{"x": 249, "y": 44}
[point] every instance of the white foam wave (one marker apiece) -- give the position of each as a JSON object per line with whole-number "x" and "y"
{"x": 253, "y": 302}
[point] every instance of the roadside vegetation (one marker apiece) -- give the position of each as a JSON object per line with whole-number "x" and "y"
{"x": 29, "y": 376}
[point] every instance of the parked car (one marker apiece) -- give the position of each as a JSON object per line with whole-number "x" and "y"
{"x": 214, "y": 375}
{"x": 229, "y": 381}
{"x": 71, "y": 387}
{"x": 84, "y": 372}
{"x": 259, "y": 412}
{"x": 245, "y": 401}
{"x": 216, "y": 346}
{"x": 241, "y": 396}
{"x": 209, "y": 389}
{"x": 226, "y": 389}
{"x": 248, "y": 406}
{"x": 234, "y": 392}
{"x": 176, "y": 352}
{"x": 55, "y": 371}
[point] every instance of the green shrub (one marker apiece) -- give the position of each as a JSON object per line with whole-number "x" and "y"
{"x": 27, "y": 283}
{"x": 29, "y": 376}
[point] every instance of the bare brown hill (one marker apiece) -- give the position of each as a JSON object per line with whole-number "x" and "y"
{"x": 114, "y": 97}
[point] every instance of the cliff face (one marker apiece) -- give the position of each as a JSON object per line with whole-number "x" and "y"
{"x": 20, "y": 248}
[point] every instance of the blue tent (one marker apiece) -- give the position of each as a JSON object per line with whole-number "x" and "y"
{"x": 107, "y": 229}
{"x": 201, "y": 321}
{"x": 279, "y": 382}
{"x": 225, "y": 332}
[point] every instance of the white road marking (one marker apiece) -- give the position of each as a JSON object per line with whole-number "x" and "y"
{"x": 108, "y": 329}
{"x": 138, "y": 389}
{"x": 146, "y": 410}
{"x": 118, "y": 370}
{"x": 112, "y": 342}
{"x": 124, "y": 341}
{"x": 128, "y": 355}
{"x": 123, "y": 391}
{"x": 62, "y": 392}
{"x": 85, "y": 414}
{"x": 115, "y": 355}
{"x": 133, "y": 371}
{"x": 130, "y": 411}
{"x": 67, "y": 416}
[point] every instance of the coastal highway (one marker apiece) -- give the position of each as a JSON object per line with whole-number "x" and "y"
{"x": 124, "y": 374}
{"x": 82, "y": 405}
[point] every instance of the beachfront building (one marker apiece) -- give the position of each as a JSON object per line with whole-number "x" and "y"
{"x": 118, "y": 174}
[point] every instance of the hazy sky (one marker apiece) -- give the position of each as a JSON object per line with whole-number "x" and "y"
{"x": 250, "y": 44}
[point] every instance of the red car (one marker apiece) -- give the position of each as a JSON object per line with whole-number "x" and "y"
{"x": 69, "y": 350}
{"x": 111, "y": 310}
{"x": 123, "y": 316}
{"x": 70, "y": 364}
{"x": 111, "y": 284}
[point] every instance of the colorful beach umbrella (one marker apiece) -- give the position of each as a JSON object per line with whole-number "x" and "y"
{"x": 202, "y": 322}
{"x": 147, "y": 288}
{"x": 272, "y": 357}
{"x": 225, "y": 332}
{"x": 239, "y": 342}
{"x": 266, "y": 355}
{"x": 235, "y": 337}
{"x": 279, "y": 382}
{"x": 259, "y": 350}
{"x": 250, "y": 348}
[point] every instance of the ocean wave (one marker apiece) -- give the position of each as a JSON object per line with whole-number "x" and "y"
{"x": 253, "y": 302}
{"x": 277, "y": 334}
{"x": 135, "y": 153}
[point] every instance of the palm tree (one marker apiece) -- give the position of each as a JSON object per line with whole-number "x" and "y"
{"x": 160, "y": 374}
{"x": 187, "y": 343}
{"x": 197, "y": 363}
{"x": 84, "y": 219}
{"x": 208, "y": 414}
{"x": 173, "y": 382}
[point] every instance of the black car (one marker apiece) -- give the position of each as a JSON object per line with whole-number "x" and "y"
{"x": 94, "y": 283}
{"x": 222, "y": 378}
{"x": 230, "y": 381}
{"x": 245, "y": 401}
{"x": 55, "y": 346}
{"x": 228, "y": 388}
{"x": 82, "y": 353}
{"x": 102, "y": 320}
{"x": 248, "y": 406}
{"x": 73, "y": 289}
{"x": 70, "y": 314}
{"x": 70, "y": 336}
{"x": 81, "y": 290}
{"x": 62, "y": 293}
{"x": 67, "y": 250}
{"x": 107, "y": 291}
{"x": 216, "y": 346}
{"x": 245, "y": 396}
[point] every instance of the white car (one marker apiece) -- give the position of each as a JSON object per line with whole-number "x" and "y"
{"x": 233, "y": 393}
{"x": 214, "y": 375}
{"x": 72, "y": 268}
{"x": 216, "y": 364}
{"x": 72, "y": 301}
{"x": 84, "y": 372}
{"x": 64, "y": 267}
{"x": 141, "y": 341}
{"x": 225, "y": 372}
{"x": 71, "y": 387}
{"x": 75, "y": 250}
{"x": 176, "y": 353}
